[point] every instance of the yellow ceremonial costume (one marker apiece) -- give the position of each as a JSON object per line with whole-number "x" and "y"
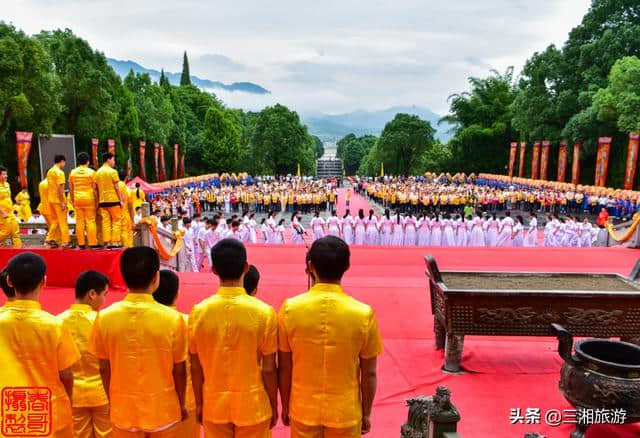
{"x": 138, "y": 198}
{"x": 142, "y": 340}
{"x": 9, "y": 227}
{"x": 82, "y": 183}
{"x": 35, "y": 347}
{"x": 109, "y": 202}
{"x": 229, "y": 332}
{"x": 189, "y": 428}
{"x": 45, "y": 211}
{"x": 23, "y": 203}
{"x": 90, "y": 404}
{"x": 127, "y": 218}
{"x": 55, "y": 179}
{"x": 326, "y": 351}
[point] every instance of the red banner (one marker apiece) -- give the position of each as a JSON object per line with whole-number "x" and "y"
{"x": 632, "y": 160}
{"x": 512, "y": 157}
{"x": 143, "y": 172}
{"x": 562, "y": 161}
{"x": 156, "y": 155}
{"x": 111, "y": 146}
{"x": 602, "y": 161}
{"x": 535, "y": 160}
{"x": 94, "y": 152}
{"x": 175, "y": 161}
{"x": 544, "y": 159}
{"x": 575, "y": 164}
{"x": 163, "y": 175}
{"x": 523, "y": 146}
{"x": 23, "y": 148}
{"x": 182, "y": 166}
{"x": 128, "y": 165}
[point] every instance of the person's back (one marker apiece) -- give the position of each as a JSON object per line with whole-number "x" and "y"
{"x": 36, "y": 349}
{"x": 230, "y": 334}
{"x": 144, "y": 345}
{"x": 328, "y": 344}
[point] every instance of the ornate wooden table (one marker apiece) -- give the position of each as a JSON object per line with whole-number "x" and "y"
{"x": 526, "y": 304}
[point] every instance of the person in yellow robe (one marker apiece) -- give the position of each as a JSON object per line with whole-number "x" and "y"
{"x": 57, "y": 201}
{"x": 110, "y": 200}
{"x": 127, "y": 212}
{"x": 45, "y": 211}
{"x": 39, "y": 348}
{"x": 90, "y": 406}
{"x": 23, "y": 204}
{"x": 327, "y": 387}
{"x": 138, "y": 197}
{"x": 83, "y": 194}
{"x": 9, "y": 227}
{"x": 142, "y": 348}
{"x": 232, "y": 327}
{"x": 167, "y": 294}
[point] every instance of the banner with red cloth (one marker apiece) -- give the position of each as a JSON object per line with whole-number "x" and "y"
{"x": 575, "y": 164}
{"x": 163, "y": 175}
{"x": 23, "y": 149}
{"x": 512, "y": 157}
{"x": 535, "y": 160}
{"x": 602, "y": 161}
{"x": 175, "y": 161}
{"x": 156, "y": 156}
{"x": 129, "y": 163}
{"x": 182, "y": 166}
{"x": 632, "y": 160}
{"x": 562, "y": 161}
{"x": 111, "y": 146}
{"x": 544, "y": 159}
{"x": 94, "y": 152}
{"x": 523, "y": 146}
{"x": 143, "y": 172}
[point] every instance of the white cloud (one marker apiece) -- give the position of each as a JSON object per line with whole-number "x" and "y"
{"x": 330, "y": 56}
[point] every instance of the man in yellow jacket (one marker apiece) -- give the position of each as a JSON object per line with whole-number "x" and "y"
{"x": 8, "y": 223}
{"x": 23, "y": 204}
{"x": 110, "y": 201}
{"x": 83, "y": 192}
{"x": 45, "y": 211}
{"x": 127, "y": 211}
{"x": 57, "y": 201}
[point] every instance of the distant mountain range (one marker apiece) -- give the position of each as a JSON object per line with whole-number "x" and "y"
{"x": 361, "y": 122}
{"x": 122, "y": 68}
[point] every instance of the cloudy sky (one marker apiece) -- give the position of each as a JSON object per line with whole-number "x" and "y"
{"x": 327, "y": 56}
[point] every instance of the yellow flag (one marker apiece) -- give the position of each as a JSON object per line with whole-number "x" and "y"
{"x": 298, "y": 169}
{"x": 381, "y": 169}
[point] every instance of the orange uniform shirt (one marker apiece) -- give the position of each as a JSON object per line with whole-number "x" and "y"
{"x": 143, "y": 340}
{"x": 83, "y": 180}
{"x": 55, "y": 177}
{"x": 229, "y": 332}
{"x": 35, "y": 347}
{"x": 87, "y": 383}
{"x": 326, "y": 351}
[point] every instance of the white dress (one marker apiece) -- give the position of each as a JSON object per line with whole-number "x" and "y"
{"x": 386, "y": 231}
{"x": 518, "y": 235}
{"x": 271, "y": 232}
{"x": 317, "y": 226}
{"x": 505, "y": 234}
{"x": 297, "y": 237}
{"x": 448, "y": 237}
{"x": 371, "y": 231}
{"x": 360, "y": 231}
{"x": 493, "y": 225}
{"x": 347, "y": 229}
{"x": 436, "y": 232}
{"x": 333, "y": 226}
{"x": 398, "y": 232}
{"x": 531, "y": 238}
{"x": 410, "y": 231}
{"x": 424, "y": 232}
{"x": 477, "y": 233}
{"x": 461, "y": 233}
{"x": 586, "y": 233}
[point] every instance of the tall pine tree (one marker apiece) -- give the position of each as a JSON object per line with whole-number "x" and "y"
{"x": 185, "y": 79}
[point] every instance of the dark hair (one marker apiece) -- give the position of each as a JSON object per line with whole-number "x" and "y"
{"x": 8, "y": 290}
{"x": 26, "y": 271}
{"x": 88, "y": 280}
{"x": 370, "y": 214}
{"x": 107, "y": 156}
{"x": 346, "y": 213}
{"x": 58, "y": 158}
{"x": 263, "y": 220}
{"x": 139, "y": 266}
{"x": 507, "y": 213}
{"x": 520, "y": 219}
{"x": 251, "y": 279}
{"x": 330, "y": 257}
{"x": 83, "y": 158}
{"x": 186, "y": 220}
{"x": 361, "y": 214}
{"x": 294, "y": 215}
{"x": 164, "y": 218}
{"x": 387, "y": 213}
{"x": 3, "y": 169}
{"x": 167, "y": 287}
{"x": 316, "y": 214}
{"x": 236, "y": 223}
{"x": 398, "y": 216}
{"x": 195, "y": 216}
{"x": 229, "y": 258}
{"x": 281, "y": 222}
{"x": 122, "y": 174}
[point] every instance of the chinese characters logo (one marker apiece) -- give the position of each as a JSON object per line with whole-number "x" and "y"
{"x": 26, "y": 411}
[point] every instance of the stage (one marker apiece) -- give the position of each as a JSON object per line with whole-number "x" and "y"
{"x": 503, "y": 373}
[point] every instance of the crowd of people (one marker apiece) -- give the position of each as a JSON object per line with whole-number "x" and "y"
{"x": 140, "y": 368}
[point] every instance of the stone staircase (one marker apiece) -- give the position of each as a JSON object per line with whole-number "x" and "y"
{"x": 328, "y": 167}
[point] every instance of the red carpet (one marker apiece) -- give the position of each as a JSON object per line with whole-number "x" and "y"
{"x": 505, "y": 372}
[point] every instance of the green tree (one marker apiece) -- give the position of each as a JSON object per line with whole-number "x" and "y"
{"x": 619, "y": 103}
{"x": 354, "y": 152}
{"x": 482, "y": 124}
{"x": 185, "y": 78}
{"x": 222, "y": 135}
{"x": 319, "y": 146}
{"x": 342, "y": 142}
{"x": 280, "y": 142}
{"x": 402, "y": 143}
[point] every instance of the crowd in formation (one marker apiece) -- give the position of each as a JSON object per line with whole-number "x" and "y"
{"x": 140, "y": 368}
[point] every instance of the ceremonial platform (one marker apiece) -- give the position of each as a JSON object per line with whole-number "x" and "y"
{"x": 503, "y": 373}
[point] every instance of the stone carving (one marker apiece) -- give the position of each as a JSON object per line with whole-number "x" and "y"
{"x": 573, "y": 316}
{"x": 505, "y": 315}
{"x": 426, "y": 412}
